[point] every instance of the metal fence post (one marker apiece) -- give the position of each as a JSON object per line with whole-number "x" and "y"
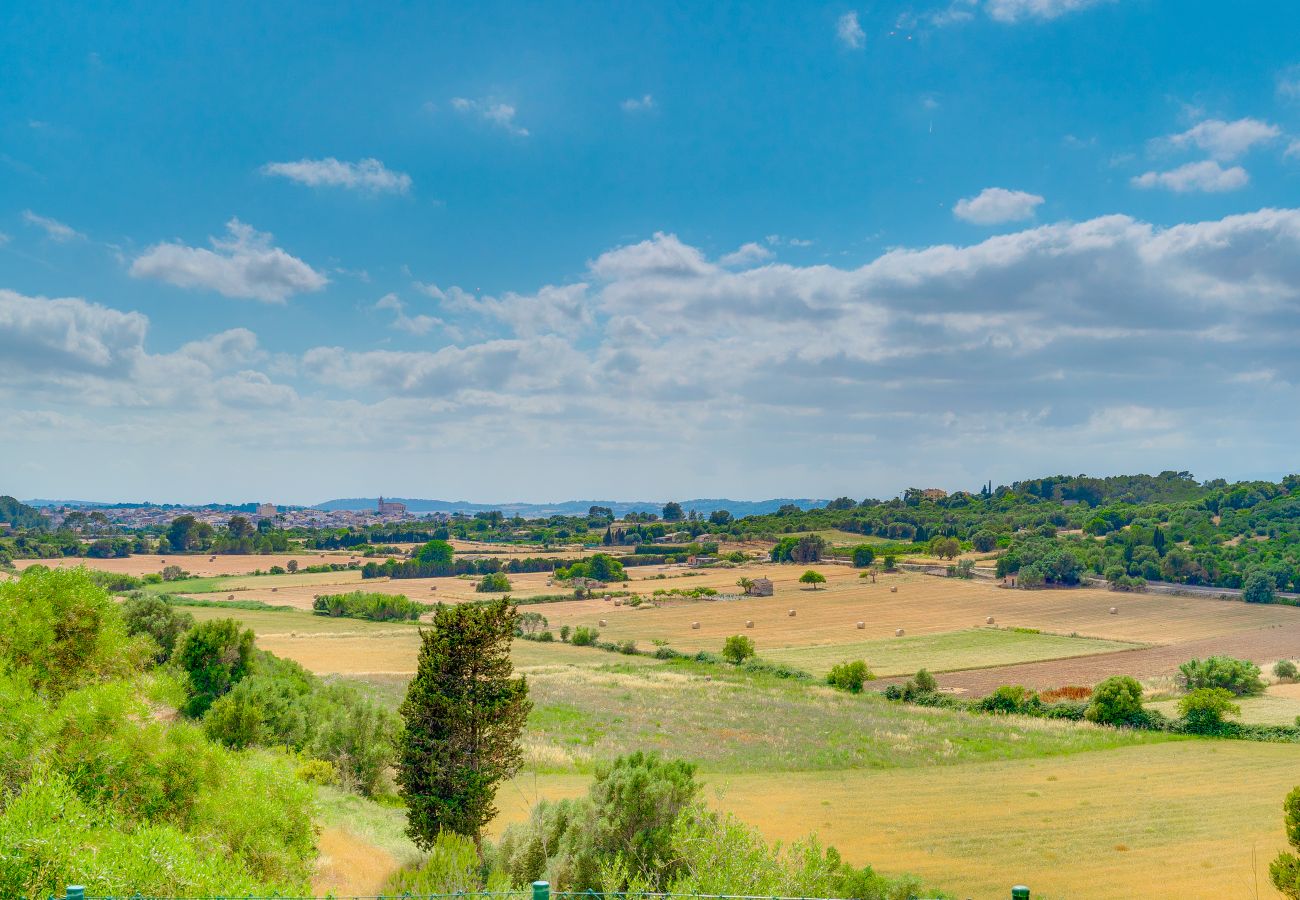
{"x": 541, "y": 890}
{"x": 75, "y": 892}
{"x": 1020, "y": 892}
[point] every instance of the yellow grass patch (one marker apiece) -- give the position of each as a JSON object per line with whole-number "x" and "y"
{"x": 195, "y": 564}
{"x": 1198, "y": 818}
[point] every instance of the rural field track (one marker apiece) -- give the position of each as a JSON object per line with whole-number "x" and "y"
{"x": 1259, "y": 645}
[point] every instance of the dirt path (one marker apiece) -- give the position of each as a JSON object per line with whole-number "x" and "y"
{"x": 1261, "y": 645}
{"x": 350, "y": 866}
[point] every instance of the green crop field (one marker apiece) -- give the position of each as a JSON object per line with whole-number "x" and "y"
{"x": 970, "y": 649}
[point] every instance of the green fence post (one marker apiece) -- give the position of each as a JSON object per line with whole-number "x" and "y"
{"x": 75, "y": 892}
{"x": 1020, "y": 892}
{"x": 541, "y": 890}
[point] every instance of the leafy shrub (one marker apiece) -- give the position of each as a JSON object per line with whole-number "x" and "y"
{"x": 1116, "y": 701}
{"x": 737, "y": 648}
{"x": 1011, "y": 698}
{"x": 1285, "y": 869}
{"x": 493, "y": 583}
{"x": 1204, "y": 708}
{"x": 1239, "y": 676}
{"x": 630, "y": 812}
{"x": 776, "y": 670}
{"x": 1285, "y": 670}
{"x": 849, "y": 676}
{"x": 215, "y": 656}
{"x": 451, "y": 865}
{"x": 925, "y": 682}
{"x": 150, "y": 615}
{"x": 1258, "y": 588}
{"x": 373, "y": 605}
{"x": 317, "y": 771}
{"x": 863, "y": 556}
{"x": 565, "y": 631}
{"x": 61, "y": 630}
{"x": 584, "y": 636}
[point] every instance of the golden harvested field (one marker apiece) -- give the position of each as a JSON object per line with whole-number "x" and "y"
{"x": 198, "y": 565}
{"x": 424, "y": 590}
{"x": 1187, "y": 819}
{"x": 921, "y": 605}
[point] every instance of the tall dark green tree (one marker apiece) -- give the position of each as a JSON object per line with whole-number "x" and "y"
{"x": 464, "y": 712}
{"x": 216, "y": 656}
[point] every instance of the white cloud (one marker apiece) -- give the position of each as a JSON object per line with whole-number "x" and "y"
{"x": 1014, "y": 11}
{"x": 53, "y": 228}
{"x": 1206, "y": 176}
{"x": 244, "y": 264}
{"x": 66, "y": 334}
{"x": 1293, "y": 149}
{"x": 551, "y": 310}
{"x": 662, "y": 255}
{"x": 417, "y": 324}
{"x": 1288, "y": 83}
{"x": 746, "y": 254}
{"x": 638, "y": 104}
{"x": 994, "y": 205}
{"x": 502, "y": 115}
{"x": 367, "y": 175}
{"x": 849, "y": 31}
{"x": 1226, "y": 140}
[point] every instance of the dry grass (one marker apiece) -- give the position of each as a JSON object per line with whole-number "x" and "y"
{"x": 199, "y": 565}
{"x": 1198, "y": 818}
{"x": 921, "y": 605}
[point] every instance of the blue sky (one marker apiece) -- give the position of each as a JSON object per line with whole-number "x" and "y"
{"x": 540, "y": 251}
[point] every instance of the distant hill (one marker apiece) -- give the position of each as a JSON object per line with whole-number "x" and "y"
{"x": 20, "y": 515}
{"x": 574, "y": 507}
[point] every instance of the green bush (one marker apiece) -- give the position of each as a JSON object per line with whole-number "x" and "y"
{"x": 451, "y": 865}
{"x": 849, "y": 676}
{"x": 1116, "y": 701}
{"x": 1204, "y": 708}
{"x": 863, "y": 556}
{"x": 1285, "y": 869}
{"x": 628, "y": 815}
{"x": 151, "y": 615}
{"x": 215, "y": 656}
{"x": 1011, "y": 698}
{"x": 1258, "y": 588}
{"x": 1285, "y": 670}
{"x": 61, "y": 630}
{"x": 584, "y": 636}
{"x": 373, "y": 605}
{"x": 925, "y": 682}
{"x": 737, "y": 648}
{"x": 493, "y": 583}
{"x": 1239, "y": 676}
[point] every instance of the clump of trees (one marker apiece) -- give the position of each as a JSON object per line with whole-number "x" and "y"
{"x": 801, "y": 549}
{"x": 1240, "y": 677}
{"x": 493, "y": 583}
{"x": 375, "y": 606}
{"x": 599, "y": 567}
{"x": 737, "y": 648}
{"x": 1285, "y": 869}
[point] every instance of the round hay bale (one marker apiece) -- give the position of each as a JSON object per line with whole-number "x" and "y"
{"x": 792, "y": 613}
{"x": 230, "y": 596}
{"x": 749, "y": 623}
{"x": 695, "y": 626}
{"x": 603, "y": 623}
{"x": 434, "y": 588}
{"x": 893, "y": 590}
{"x": 607, "y": 597}
{"x": 898, "y": 632}
{"x": 988, "y": 621}
{"x": 273, "y": 590}
{"x": 861, "y": 626}
{"x": 618, "y": 602}
{"x": 1114, "y": 610}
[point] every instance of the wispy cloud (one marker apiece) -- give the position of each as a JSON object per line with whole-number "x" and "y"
{"x": 502, "y": 115}
{"x": 1206, "y": 176}
{"x": 417, "y": 324}
{"x": 993, "y": 205}
{"x": 1225, "y": 140}
{"x": 849, "y": 31}
{"x": 366, "y": 175}
{"x": 53, "y": 228}
{"x": 746, "y": 255}
{"x": 243, "y": 264}
{"x": 1015, "y": 11}
{"x": 643, "y": 103}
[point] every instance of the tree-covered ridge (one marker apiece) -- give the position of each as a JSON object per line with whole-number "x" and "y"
{"x": 19, "y": 515}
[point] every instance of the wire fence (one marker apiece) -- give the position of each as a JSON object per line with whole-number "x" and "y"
{"x": 540, "y": 890}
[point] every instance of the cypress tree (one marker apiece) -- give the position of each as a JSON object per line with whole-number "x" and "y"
{"x": 464, "y": 712}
